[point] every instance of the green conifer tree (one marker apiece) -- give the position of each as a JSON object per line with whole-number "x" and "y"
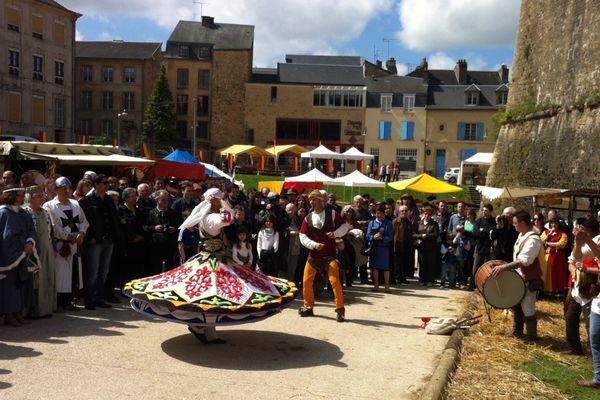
{"x": 159, "y": 121}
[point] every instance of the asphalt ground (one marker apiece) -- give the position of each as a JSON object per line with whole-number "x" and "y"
{"x": 378, "y": 353}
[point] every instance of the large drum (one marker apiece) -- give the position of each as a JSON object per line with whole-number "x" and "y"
{"x": 504, "y": 291}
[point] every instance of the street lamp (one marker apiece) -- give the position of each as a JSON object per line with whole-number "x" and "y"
{"x": 119, "y": 115}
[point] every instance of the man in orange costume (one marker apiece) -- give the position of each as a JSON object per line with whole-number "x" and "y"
{"x": 317, "y": 233}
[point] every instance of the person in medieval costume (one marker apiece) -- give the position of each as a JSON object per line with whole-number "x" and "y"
{"x": 18, "y": 255}
{"x": 70, "y": 225}
{"x": 44, "y": 299}
{"x": 210, "y": 289}
{"x": 318, "y": 232}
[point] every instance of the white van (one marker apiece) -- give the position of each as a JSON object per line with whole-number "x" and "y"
{"x": 451, "y": 175}
{"x": 17, "y": 138}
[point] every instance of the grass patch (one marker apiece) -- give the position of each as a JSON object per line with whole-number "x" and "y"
{"x": 562, "y": 374}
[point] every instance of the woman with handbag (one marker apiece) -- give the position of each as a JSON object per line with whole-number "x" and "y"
{"x": 380, "y": 233}
{"x": 426, "y": 244}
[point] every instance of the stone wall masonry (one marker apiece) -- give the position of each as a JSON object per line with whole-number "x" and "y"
{"x": 231, "y": 71}
{"x": 554, "y": 140}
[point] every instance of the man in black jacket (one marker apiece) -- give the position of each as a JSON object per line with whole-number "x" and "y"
{"x": 101, "y": 213}
{"x": 161, "y": 225}
{"x": 483, "y": 242}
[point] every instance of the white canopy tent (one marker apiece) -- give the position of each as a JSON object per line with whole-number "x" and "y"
{"x": 507, "y": 192}
{"x": 356, "y": 179}
{"x": 355, "y": 154}
{"x": 476, "y": 159}
{"x": 314, "y": 175}
{"x": 321, "y": 152}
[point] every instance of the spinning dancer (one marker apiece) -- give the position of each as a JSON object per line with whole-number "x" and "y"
{"x": 210, "y": 289}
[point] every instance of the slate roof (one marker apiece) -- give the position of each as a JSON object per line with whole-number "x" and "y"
{"x": 117, "y": 49}
{"x": 264, "y": 75}
{"x": 448, "y": 77}
{"x": 397, "y": 86}
{"x": 321, "y": 74}
{"x": 322, "y": 60}
{"x": 221, "y": 36}
{"x": 453, "y": 97}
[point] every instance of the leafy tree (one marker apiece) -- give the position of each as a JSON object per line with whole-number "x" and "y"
{"x": 160, "y": 118}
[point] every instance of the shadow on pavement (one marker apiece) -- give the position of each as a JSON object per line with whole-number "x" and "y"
{"x": 4, "y": 385}
{"x": 10, "y": 352}
{"x": 60, "y": 327}
{"x": 255, "y": 351}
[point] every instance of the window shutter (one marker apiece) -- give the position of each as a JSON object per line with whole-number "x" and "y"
{"x": 404, "y": 133}
{"x": 14, "y": 107}
{"x": 12, "y": 16}
{"x": 381, "y": 130}
{"x": 461, "y": 131}
{"x": 411, "y": 131}
{"x": 59, "y": 33}
{"x": 388, "y": 130}
{"x": 37, "y": 110}
{"x": 480, "y": 131}
{"x": 466, "y": 153}
{"x": 37, "y": 24}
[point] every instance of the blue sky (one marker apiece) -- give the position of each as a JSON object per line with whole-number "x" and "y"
{"x": 481, "y": 31}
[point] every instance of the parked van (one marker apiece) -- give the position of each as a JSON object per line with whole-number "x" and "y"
{"x": 17, "y": 138}
{"x": 451, "y": 175}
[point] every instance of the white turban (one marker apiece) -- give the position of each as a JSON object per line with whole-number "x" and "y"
{"x": 202, "y": 209}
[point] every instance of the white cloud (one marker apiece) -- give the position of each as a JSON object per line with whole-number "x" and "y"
{"x": 439, "y": 25}
{"x": 78, "y": 35}
{"x": 440, "y": 60}
{"x": 284, "y": 26}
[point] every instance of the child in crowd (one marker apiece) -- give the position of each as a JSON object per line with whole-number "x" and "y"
{"x": 462, "y": 246}
{"x": 267, "y": 244}
{"x": 188, "y": 241}
{"x": 449, "y": 262}
{"x": 342, "y": 258}
{"x": 242, "y": 249}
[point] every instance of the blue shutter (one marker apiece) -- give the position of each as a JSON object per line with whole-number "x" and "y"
{"x": 411, "y": 131}
{"x": 404, "y": 133}
{"x": 381, "y": 130}
{"x": 480, "y": 130}
{"x": 466, "y": 153}
{"x": 388, "y": 130}
{"x": 461, "y": 131}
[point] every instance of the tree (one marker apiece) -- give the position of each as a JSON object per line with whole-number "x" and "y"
{"x": 159, "y": 121}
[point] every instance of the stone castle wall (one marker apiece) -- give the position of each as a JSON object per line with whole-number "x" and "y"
{"x": 553, "y": 129}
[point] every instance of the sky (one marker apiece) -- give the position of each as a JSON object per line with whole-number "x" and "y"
{"x": 442, "y": 31}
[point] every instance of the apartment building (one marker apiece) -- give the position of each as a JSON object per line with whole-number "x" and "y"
{"x": 36, "y": 78}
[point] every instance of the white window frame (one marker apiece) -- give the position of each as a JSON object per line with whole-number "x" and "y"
{"x": 386, "y": 102}
{"x": 14, "y": 68}
{"x": 38, "y": 73}
{"x": 408, "y": 101}
{"x": 470, "y": 131}
{"x": 59, "y": 75}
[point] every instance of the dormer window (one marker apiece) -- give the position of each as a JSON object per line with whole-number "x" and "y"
{"x": 409, "y": 102}
{"x": 184, "y": 51}
{"x": 501, "y": 95}
{"x": 472, "y": 99}
{"x": 386, "y": 102}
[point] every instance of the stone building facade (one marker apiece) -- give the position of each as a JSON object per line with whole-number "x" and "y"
{"x": 37, "y": 38}
{"x": 113, "y": 82}
{"x": 308, "y": 100}
{"x": 553, "y": 111}
{"x": 208, "y": 65}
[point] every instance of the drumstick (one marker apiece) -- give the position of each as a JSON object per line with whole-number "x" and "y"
{"x": 498, "y": 287}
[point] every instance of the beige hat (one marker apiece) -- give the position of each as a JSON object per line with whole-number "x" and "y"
{"x": 32, "y": 190}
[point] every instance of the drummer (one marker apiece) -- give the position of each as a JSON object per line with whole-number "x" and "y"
{"x": 528, "y": 252}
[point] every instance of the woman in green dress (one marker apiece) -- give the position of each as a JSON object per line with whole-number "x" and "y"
{"x": 44, "y": 290}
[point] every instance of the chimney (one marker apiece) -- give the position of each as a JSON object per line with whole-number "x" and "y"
{"x": 503, "y": 72}
{"x": 390, "y": 65}
{"x": 460, "y": 70}
{"x": 423, "y": 65}
{"x": 208, "y": 22}
{"x": 378, "y": 63}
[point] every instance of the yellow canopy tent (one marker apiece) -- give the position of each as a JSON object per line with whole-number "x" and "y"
{"x": 276, "y": 151}
{"x": 425, "y": 184}
{"x": 237, "y": 149}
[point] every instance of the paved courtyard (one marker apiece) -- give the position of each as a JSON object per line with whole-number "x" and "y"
{"x": 379, "y": 353}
